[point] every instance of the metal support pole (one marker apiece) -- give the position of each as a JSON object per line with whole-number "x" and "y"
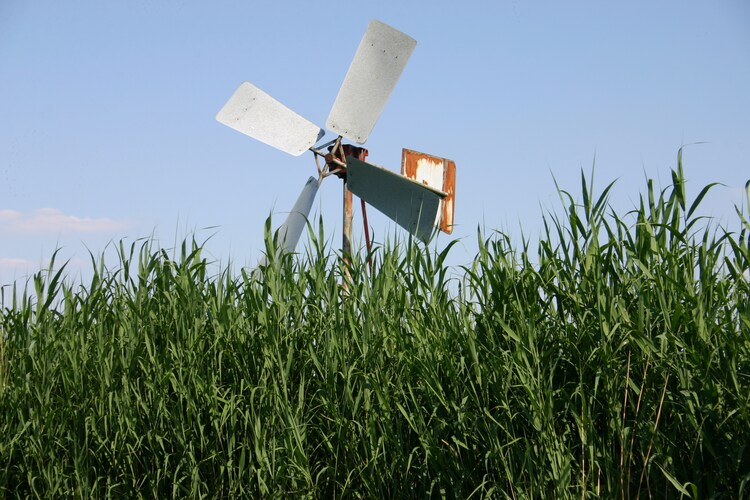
{"x": 346, "y": 244}
{"x": 367, "y": 234}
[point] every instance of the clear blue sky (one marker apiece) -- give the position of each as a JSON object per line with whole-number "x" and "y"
{"x": 107, "y": 128}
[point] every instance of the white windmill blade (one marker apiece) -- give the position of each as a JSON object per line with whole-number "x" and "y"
{"x": 412, "y": 205}
{"x": 257, "y": 114}
{"x": 290, "y": 231}
{"x": 375, "y": 69}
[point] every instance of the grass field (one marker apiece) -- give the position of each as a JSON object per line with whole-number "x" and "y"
{"x": 614, "y": 360}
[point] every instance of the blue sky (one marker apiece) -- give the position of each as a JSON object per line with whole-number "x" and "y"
{"x": 107, "y": 128}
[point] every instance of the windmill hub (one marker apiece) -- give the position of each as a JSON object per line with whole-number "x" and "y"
{"x": 334, "y": 158}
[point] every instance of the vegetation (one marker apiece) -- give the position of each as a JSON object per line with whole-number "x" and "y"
{"x": 613, "y": 360}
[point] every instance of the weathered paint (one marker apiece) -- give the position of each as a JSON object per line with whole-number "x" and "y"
{"x": 437, "y": 173}
{"x": 430, "y": 172}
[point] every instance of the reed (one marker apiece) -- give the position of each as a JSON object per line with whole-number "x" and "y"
{"x": 613, "y": 360}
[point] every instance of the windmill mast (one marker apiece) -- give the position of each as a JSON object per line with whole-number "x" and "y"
{"x": 346, "y": 243}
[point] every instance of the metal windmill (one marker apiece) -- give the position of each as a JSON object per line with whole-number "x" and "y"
{"x": 420, "y": 200}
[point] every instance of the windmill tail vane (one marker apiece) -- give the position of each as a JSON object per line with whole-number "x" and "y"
{"x": 420, "y": 199}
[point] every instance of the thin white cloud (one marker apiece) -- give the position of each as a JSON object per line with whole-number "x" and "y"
{"x": 10, "y": 263}
{"x": 52, "y": 220}
{"x": 12, "y": 268}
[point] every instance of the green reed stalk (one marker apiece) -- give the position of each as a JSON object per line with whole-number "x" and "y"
{"x": 613, "y": 360}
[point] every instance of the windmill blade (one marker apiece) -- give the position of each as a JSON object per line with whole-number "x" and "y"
{"x": 375, "y": 69}
{"x": 412, "y": 205}
{"x": 290, "y": 231}
{"x": 257, "y": 114}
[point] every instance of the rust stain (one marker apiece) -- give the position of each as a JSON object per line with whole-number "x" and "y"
{"x": 436, "y": 172}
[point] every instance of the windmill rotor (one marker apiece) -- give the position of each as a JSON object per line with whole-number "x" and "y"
{"x": 420, "y": 199}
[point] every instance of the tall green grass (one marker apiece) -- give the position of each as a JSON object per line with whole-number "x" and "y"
{"x": 613, "y": 360}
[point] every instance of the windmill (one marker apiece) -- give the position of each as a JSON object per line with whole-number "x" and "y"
{"x": 420, "y": 200}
